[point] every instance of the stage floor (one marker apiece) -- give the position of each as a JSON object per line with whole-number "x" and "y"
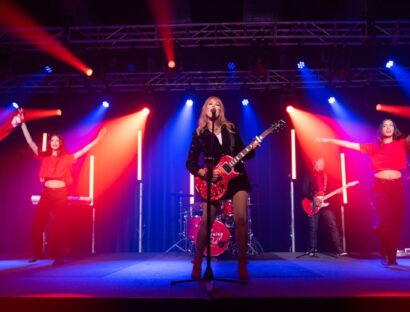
{"x": 147, "y": 279}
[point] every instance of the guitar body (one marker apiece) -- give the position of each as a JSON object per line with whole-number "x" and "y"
{"x": 220, "y": 186}
{"x": 226, "y": 167}
{"x": 310, "y": 208}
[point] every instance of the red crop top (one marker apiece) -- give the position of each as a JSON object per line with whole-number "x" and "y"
{"x": 57, "y": 167}
{"x": 388, "y": 156}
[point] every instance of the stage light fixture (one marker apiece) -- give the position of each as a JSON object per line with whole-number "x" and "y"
{"x": 389, "y": 64}
{"x": 231, "y": 66}
{"x": 378, "y": 107}
{"x": 146, "y": 111}
{"x": 245, "y": 102}
{"x": 301, "y": 65}
{"x": 290, "y": 109}
{"x": 132, "y": 68}
{"x": 15, "y": 105}
{"x": 89, "y": 72}
{"x": 105, "y": 104}
{"x": 48, "y": 69}
{"x": 332, "y": 100}
{"x": 189, "y": 102}
{"x": 171, "y": 64}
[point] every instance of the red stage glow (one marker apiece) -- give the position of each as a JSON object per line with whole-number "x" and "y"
{"x": 27, "y": 29}
{"x": 114, "y": 154}
{"x": 58, "y": 295}
{"x": 308, "y": 127}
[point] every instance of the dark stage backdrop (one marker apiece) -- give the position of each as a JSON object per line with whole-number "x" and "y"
{"x": 166, "y": 145}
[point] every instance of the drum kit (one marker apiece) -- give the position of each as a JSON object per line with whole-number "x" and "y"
{"x": 222, "y": 231}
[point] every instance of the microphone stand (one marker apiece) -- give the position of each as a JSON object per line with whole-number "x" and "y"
{"x": 209, "y": 275}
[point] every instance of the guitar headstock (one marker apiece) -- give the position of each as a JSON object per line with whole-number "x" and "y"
{"x": 278, "y": 125}
{"x": 275, "y": 127}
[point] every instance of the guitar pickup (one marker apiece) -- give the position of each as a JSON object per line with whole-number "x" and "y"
{"x": 227, "y": 168}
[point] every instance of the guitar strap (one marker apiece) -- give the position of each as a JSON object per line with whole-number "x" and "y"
{"x": 232, "y": 143}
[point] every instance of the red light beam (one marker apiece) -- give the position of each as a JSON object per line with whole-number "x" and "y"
{"x": 28, "y": 30}
{"x": 403, "y": 111}
{"x": 34, "y": 114}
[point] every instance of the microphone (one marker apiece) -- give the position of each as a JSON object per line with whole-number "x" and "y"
{"x": 213, "y": 111}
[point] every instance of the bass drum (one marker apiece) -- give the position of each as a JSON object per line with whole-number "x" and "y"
{"x": 220, "y": 235}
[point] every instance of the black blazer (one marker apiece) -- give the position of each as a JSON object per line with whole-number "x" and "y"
{"x": 207, "y": 145}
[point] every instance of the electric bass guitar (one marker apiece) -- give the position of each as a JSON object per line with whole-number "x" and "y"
{"x": 226, "y": 167}
{"x": 309, "y": 205}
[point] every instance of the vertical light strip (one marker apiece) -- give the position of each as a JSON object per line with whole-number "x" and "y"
{"x": 139, "y": 155}
{"x": 91, "y": 195}
{"x": 293, "y": 144}
{"x": 140, "y": 220}
{"x": 91, "y": 186}
{"x": 292, "y": 201}
{"x": 44, "y": 143}
{"x": 139, "y": 178}
{"x": 343, "y": 168}
{"x": 191, "y": 188}
{"x": 292, "y": 217}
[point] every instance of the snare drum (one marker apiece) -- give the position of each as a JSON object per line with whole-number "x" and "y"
{"x": 220, "y": 235}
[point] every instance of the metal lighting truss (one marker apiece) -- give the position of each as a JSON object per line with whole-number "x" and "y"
{"x": 196, "y": 80}
{"x": 275, "y": 33}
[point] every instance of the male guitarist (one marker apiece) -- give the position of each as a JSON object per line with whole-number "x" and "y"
{"x": 315, "y": 185}
{"x": 224, "y": 141}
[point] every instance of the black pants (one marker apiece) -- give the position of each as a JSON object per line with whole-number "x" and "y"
{"x": 53, "y": 201}
{"x": 329, "y": 217}
{"x": 389, "y": 201}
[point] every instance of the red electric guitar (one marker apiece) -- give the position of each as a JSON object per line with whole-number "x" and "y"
{"x": 226, "y": 167}
{"x": 311, "y": 209}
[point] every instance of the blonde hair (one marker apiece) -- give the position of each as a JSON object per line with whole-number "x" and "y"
{"x": 221, "y": 120}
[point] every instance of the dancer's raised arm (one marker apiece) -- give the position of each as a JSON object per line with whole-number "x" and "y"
{"x": 347, "y": 144}
{"x": 90, "y": 145}
{"x": 29, "y": 140}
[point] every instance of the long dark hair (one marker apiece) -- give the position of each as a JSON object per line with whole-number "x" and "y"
{"x": 62, "y": 150}
{"x": 396, "y": 134}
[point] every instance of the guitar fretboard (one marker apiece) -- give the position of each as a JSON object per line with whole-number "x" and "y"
{"x": 277, "y": 125}
{"x": 240, "y": 156}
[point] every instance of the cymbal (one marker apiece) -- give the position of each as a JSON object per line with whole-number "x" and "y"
{"x": 180, "y": 194}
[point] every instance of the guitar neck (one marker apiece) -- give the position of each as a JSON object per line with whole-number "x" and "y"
{"x": 248, "y": 148}
{"x": 336, "y": 191}
{"x": 327, "y": 196}
{"x": 241, "y": 155}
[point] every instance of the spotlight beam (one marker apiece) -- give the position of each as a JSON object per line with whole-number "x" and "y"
{"x": 17, "y": 22}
